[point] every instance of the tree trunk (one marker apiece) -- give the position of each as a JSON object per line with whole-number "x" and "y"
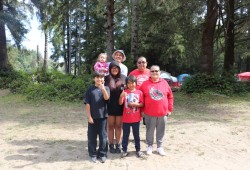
{"x": 206, "y": 59}
{"x": 69, "y": 44}
{"x": 64, "y": 50}
{"x": 45, "y": 63}
{"x": 3, "y": 44}
{"x": 79, "y": 43}
{"x": 76, "y": 50}
{"x": 134, "y": 30}
{"x": 110, "y": 28}
{"x": 229, "y": 38}
{"x": 37, "y": 57}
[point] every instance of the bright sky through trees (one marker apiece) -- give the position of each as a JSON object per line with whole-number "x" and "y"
{"x": 34, "y": 37}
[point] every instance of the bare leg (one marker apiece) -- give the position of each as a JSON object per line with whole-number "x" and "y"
{"x": 118, "y": 129}
{"x": 111, "y": 128}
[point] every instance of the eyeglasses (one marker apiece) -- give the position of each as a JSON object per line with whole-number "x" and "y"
{"x": 154, "y": 71}
{"x": 141, "y": 62}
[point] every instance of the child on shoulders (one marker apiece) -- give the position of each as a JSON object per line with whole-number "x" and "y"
{"x": 101, "y": 66}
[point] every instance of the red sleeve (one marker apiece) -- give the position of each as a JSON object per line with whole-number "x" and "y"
{"x": 170, "y": 100}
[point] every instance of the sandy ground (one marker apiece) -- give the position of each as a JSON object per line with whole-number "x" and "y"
{"x": 45, "y": 136}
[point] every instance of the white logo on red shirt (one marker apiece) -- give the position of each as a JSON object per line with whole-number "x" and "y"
{"x": 156, "y": 94}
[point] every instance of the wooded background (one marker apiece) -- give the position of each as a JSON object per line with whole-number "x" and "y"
{"x": 181, "y": 36}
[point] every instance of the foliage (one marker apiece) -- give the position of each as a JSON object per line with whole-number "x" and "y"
{"x": 51, "y": 86}
{"x": 169, "y": 35}
{"x": 23, "y": 59}
{"x": 6, "y": 78}
{"x": 13, "y": 17}
{"x": 169, "y": 32}
{"x": 202, "y": 83}
{"x": 57, "y": 86}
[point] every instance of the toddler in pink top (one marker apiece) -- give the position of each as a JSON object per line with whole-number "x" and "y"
{"x": 101, "y": 66}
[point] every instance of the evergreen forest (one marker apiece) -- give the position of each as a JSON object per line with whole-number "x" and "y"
{"x": 209, "y": 39}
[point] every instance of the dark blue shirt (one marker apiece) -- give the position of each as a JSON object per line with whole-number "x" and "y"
{"x": 98, "y": 106}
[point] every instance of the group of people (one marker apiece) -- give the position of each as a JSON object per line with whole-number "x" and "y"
{"x": 116, "y": 102}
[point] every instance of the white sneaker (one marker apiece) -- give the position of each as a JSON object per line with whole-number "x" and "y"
{"x": 161, "y": 151}
{"x": 149, "y": 150}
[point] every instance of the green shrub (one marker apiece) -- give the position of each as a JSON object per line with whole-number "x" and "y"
{"x": 8, "y": 78}
{"x": 41, "y": 91}
{"x": 70, "y": 89}
{"x": 49, "y": 86}
{"x": 201, "y": 83}
{"x": 59, "y": 87}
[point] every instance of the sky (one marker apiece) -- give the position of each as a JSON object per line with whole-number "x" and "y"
{"x": 34, "y": 37}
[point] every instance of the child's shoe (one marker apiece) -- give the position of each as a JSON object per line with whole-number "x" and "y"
{"x": 93, "y": 159}
{"x": 103, "y": 159}
{"x": 140, "y": 154}
{"x": 124, "y": 154}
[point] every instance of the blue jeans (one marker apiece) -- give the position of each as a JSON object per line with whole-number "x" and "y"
{"x": 98, "y": 128}
{"x": 136, "y": 134}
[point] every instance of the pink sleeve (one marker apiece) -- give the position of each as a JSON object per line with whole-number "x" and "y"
{"x": 97, "y": 67}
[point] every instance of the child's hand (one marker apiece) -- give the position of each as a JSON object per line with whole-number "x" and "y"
{"x": 132, "y": 104}
{"x": 103, "y": 69}
{"x": 101, "y": 86}
{"x": 123, "y": 94}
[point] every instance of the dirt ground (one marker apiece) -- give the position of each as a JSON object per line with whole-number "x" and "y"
{"x": 52, "y": 136}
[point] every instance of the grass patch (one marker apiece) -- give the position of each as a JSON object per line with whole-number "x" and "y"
{"x": 195, "y": 107}
{"x": 208, "y": 107}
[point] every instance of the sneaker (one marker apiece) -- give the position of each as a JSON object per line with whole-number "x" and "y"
{"x": 103, "y": 159}
{"x": 161, "y": 151}
{"x": 149, "y": 150}
{"x": 124, "y": 154}
{"x": 93, "y": 159}
{"x": 140, "y": 154}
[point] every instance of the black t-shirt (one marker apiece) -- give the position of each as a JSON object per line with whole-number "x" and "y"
{"x": 98, "y": 106}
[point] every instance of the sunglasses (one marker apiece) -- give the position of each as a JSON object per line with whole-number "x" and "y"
{"x": 154, "y": 71}
{"x": 141, "y": 62}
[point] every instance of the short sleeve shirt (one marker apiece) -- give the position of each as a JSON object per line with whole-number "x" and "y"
{"x": 98, "y": 105}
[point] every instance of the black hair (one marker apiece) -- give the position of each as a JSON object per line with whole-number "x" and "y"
{"x": 114, "y": 82}
{"x": 131, "y": 78}
{"x": 97, "y": 74}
